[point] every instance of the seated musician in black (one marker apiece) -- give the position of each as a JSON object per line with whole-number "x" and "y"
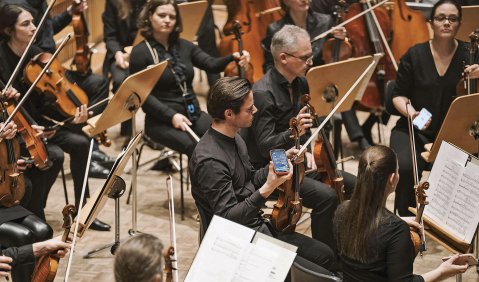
{"x": 223, "y": 182}
{"x": 17, "y": 28}
{"x": 277, "y": 97}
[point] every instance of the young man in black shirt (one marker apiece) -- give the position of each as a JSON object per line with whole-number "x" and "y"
{"x": 277, "y": 96}
{"x": 223, "y": 181}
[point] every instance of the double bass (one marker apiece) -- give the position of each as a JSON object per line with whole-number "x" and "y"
{"x": 288, "y": 208}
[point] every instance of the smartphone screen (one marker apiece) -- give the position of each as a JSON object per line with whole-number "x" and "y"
{"x": 280, "y": 161}
{"x": 421, "y": 120}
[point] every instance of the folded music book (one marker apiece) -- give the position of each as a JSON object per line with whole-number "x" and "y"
{"x": 232, "y": 252}
{"x": 453, "y": 195}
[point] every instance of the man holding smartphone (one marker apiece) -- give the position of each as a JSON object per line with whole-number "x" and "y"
{"x": 222, "y": 178}
{"x": 277, "y": 96}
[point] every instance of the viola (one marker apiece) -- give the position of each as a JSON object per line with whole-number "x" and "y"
{"x": 335, "y": 49}
{"x": 408, "y": 28}
{"x": 467, "y": 85}
{"x": 233, "y": 68}
{"x": 366, "y": 40}
{"x": 82, "y": 59}
{"x": 288, "y": 208}
{"x": 12, "y": 183}
{"x": 54, "y": 84}
{"x": 324, "y": 156}
{"x": 46, "y": 266}
{"x": 417, "y": 240}
{"x": 253, "y": 16}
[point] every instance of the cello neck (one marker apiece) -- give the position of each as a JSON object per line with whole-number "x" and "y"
{"x": 372, "y": 30}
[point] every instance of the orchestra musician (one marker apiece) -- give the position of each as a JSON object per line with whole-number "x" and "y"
{"x": 19, "y": 226}
{"x": 94, "y": 85}
{"x": 139, "y": 259}
{"x": 381, "y": 248}
{"x": 13, "y": 258}
{"x": 222, "y": 179}
{"x": 277, "y": 97}
{"x": 119, "y": 31}
{"x": 427, "y": 76}
{"x": 16, "y": 25}
{"x": 173, "y": 103}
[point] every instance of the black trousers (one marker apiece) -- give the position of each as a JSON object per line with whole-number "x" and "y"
{"x": 42, "y": 181}
{"x": 405, "y": 189}
{"x": 20, "y": 232}
{"x": 351, "y": 123}
{"x": 118, "y": 75}
{"x": 323, "y": 200}
{"x": 76, "y": 144}
{"x": 176, "y": 139}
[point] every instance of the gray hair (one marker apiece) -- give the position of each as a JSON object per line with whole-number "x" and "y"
{"x": 286, "y": 39}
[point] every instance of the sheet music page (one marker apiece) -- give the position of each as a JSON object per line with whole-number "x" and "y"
{"x": 227, "y": 254}
{"x": 454, "y": 193}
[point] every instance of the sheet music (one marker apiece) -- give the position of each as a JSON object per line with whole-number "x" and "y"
{"x": 454, "y": 193}
{"x": 227, "y": 254}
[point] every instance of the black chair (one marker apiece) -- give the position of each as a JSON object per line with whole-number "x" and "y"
{"x": 388, "y": 98}
{"x": 303, "y": 270}
{"x": 203, "y": 224}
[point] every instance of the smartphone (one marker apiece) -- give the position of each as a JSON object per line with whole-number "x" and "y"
{"x": 421, "y": 120}
{"x": 280, "y": 161}
{"x": 463, "y": 259}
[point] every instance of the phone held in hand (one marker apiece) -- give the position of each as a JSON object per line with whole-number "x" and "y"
{"x": 463, "y": 259}
{"x": 280, "y": 161}
{"x": 422, "y": 119}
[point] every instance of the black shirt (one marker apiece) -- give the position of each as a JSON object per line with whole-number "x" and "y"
{"x": 316, "y": 24}
{"x": 418, "y": 80}
{"x": 276, "y": 107}
{"x": 166, "y": 98}
{"x": 392, "y": 245}
{"x": 224, "y": 183}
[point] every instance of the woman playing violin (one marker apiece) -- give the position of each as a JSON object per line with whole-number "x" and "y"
{"x": 374, "y": 244}
{"x": 427, "y": 76}
{"x": 17, "y": 28}
{"x": 173, "y": 103}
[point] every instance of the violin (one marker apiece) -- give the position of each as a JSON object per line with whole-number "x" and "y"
{"x": 288, "y": 208}
{"x": 169, "y": 254}
{"x": 47, "y": 265}
{"x": 417, "y": 240}
{"x": 54, "y": 84}
{"x": 82, "y": 60}
{"x": 12, "y": 183}
{"x": 255, "y": 16}
{"x": 467, "y": 85}
{"x": 366, "y": 40}
{"x": 233, "y": 68}
{"x": 324, "y": 156}
{"x": 335, "y": 49}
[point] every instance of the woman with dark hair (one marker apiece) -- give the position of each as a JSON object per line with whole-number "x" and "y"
{"x": 120, "y": 31}
{"x": 427, "y": 76}
{"x": 173, "y": 103}
{"x": 374, "y": 244}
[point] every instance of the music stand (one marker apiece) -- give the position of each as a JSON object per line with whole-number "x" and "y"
{"x": 457, "y": 128}
{"x": 123, "y": 106}
{"x": 114, "y": 187}
{"x": 192, "y": 14}
{"x": 469, "y": 22}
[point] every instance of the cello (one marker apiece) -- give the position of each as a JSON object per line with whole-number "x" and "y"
{"x": 251, "y": 15}
{"x": 233, "y": 68}
{"x": 324, "y": 156}
{"x": 82, "y": 60}
{"x": 335, "y": 49}
{"x": 467, "y": 85}
{"x": 288, "y": 208}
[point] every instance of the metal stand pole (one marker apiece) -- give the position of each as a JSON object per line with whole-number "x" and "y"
{"x": 134, "y": 207}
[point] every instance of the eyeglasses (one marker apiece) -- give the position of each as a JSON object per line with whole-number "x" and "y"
{"x": 442, "y": 19}
{"x": 306, "y": 59}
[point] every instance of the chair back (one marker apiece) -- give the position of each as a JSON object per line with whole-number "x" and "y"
{"x": 203, "y": 224}
{"x": 303, "y": 270}
{"x": 388, "y": 98}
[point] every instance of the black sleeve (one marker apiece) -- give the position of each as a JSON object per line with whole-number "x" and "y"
{"x": 202, "y": 60}
{"x": 21, "y": 255}
{"x": 110, "y": 28}
{"x": 217, "y": 186}
{"x": 60, "y": 21}
{"x": 140, "y": 59}
{"x": 259, "y": 176}
{"x": 405, "y": 77}
{"x": 400, "y": 256}
{"x": 264, "y": 126}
